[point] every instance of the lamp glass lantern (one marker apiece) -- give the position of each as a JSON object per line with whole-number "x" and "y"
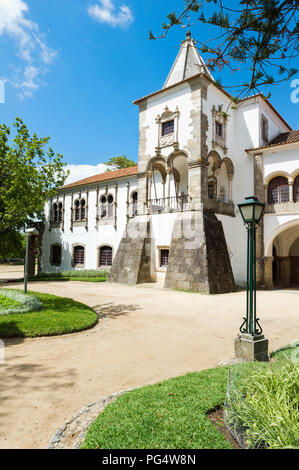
{"x": 251, "y": 210}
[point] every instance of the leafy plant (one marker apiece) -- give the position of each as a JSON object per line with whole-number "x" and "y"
{"x": 264, "y": 406}
{"x": 12, "y": 301}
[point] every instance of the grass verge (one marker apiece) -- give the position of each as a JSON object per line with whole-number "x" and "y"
{"x": 58, "y": 316}
{"x": 168, "y": 415}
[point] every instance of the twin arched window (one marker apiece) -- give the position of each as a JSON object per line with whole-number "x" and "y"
{"x": 57, "y": 211}
{"x": 80, "y": 210}
{"x": 107, "y": 207}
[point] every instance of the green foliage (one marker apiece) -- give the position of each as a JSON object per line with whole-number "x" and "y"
{"x": 12, "y": 301}
{"x": 117, "y": 163}
{"x": 264, "y": 406}
{"x": 75, "y": 273}
{"x": 12, "y": 244}
{"x": 58, "y": 316}
{"x": 91, "y": 275}
{"x": 30, "y": 173}
{"x": 262, "y": 33}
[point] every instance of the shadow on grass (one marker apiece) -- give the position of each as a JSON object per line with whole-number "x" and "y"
{"x": 112, "y": 310}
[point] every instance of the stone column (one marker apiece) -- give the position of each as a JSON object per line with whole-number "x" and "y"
{"x": 285, "y": 272}
{"x": 230, "y": 188}
{"x": 291, "y": 190}
{"x": 198, "y": 184}
{"x": 142, "y": 193}
{"x": 259, "y": 191}
{"x": 149, "y": 185}
{"x": 268, "y": 271}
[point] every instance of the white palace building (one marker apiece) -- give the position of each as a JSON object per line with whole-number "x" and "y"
{"x": 175, "y": 215}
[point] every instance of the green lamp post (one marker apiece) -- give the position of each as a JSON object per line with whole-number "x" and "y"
{"x": 251, "y": 345}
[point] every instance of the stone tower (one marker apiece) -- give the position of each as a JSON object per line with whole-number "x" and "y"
{"x": 173, "y": 167}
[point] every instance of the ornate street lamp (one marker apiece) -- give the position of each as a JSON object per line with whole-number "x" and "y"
{"x": 251, "y": 345}
{"x": 251, "y": 210}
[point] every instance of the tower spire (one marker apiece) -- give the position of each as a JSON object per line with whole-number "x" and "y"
{"x": 187, "y": 63}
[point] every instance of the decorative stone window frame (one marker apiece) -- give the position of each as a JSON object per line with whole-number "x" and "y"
{"x": 74, "y": 265}
{"x": 161, "y": 269}
{"x": 219, "y": 141}
{"x": 110, "y": 218}
{"x": 52, "y": 263}
{"x": 81, "y": 222}
{"x": 169, "y": 139}
{"x": 264, "y": 129}
{"x": 99, "y": 265}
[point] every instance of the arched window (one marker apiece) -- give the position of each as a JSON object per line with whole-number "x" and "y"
{"x": 278, "y": 190}
{"x": 134, "y": 203}
{"x": 296, "y": 189}
{"x": 60, "y": 212}
{"x": 105, "y": 256}
{"x": 110, "y": 206}
{"x": 80, "y": 209}
{"x": 212, "y": 189}
{"x": 55, "y": 213}
{"x": 55, "y": 254}
{"x": 79, "y": 255}
{"x": 103, "y": 207}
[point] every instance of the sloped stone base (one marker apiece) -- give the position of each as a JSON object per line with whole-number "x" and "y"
{"x": 132, "y": 262}
{"x": 198, "y": 258}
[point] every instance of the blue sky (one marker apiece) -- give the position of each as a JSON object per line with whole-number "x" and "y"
{"x": 73, "y": 68}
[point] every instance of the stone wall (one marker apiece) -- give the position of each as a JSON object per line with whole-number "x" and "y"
{"x": 201, "y": 264}
{"x": 132, "y": 262}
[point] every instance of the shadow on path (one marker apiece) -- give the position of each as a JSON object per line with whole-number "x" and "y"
{"x": 112, "y": 310}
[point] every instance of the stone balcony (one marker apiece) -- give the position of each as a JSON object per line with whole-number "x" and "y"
{"x": 220, "y": 207}
{"x": 282, "y": 208}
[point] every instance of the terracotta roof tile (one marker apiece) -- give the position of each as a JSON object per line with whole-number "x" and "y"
{"x": 285, "y": 138}
{"x": 109, "y": 175}
{"x": 282, "y": 139}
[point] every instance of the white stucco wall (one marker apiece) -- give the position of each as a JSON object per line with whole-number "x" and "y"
{"x": 98, "y": 234}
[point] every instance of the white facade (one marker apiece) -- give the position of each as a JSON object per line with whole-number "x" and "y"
{"x": 232, "y": 145}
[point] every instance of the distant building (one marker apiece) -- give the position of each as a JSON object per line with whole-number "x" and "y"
{"x": 194, "y": 161}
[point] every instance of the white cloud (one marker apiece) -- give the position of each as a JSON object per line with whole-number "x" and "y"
{"x": 79, "y": 172}
{"x": 106, "y": 13}
{"x": 31, "y": 48}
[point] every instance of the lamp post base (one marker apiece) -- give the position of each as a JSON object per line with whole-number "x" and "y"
{"x": 250, "y": 348}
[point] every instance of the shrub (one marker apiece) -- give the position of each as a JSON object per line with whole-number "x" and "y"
{"x": 73, "y": 273}
{"x": 264, "y": 407}
{"x": 17, "y": 302}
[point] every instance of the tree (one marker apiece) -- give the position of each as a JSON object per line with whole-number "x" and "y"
{"x": 30, "y": 173}
{"x": 262, "y": 33}
{"x": 116, "y": 163}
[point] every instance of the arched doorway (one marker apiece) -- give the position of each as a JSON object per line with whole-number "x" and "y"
{"x": 294, "y": 257}
{"x": 283, "y": 255}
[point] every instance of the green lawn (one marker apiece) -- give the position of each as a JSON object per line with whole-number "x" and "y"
{"x": 6, "y": 303}
{"x": 168, "y": 415}
{"x": 58, "y": 316}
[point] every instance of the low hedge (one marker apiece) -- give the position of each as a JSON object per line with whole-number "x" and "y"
{"x": 12, "y": 301}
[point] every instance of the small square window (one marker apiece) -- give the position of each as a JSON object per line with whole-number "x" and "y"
{"x": 168, "y": 127}
{"x": 219, "y": 129}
